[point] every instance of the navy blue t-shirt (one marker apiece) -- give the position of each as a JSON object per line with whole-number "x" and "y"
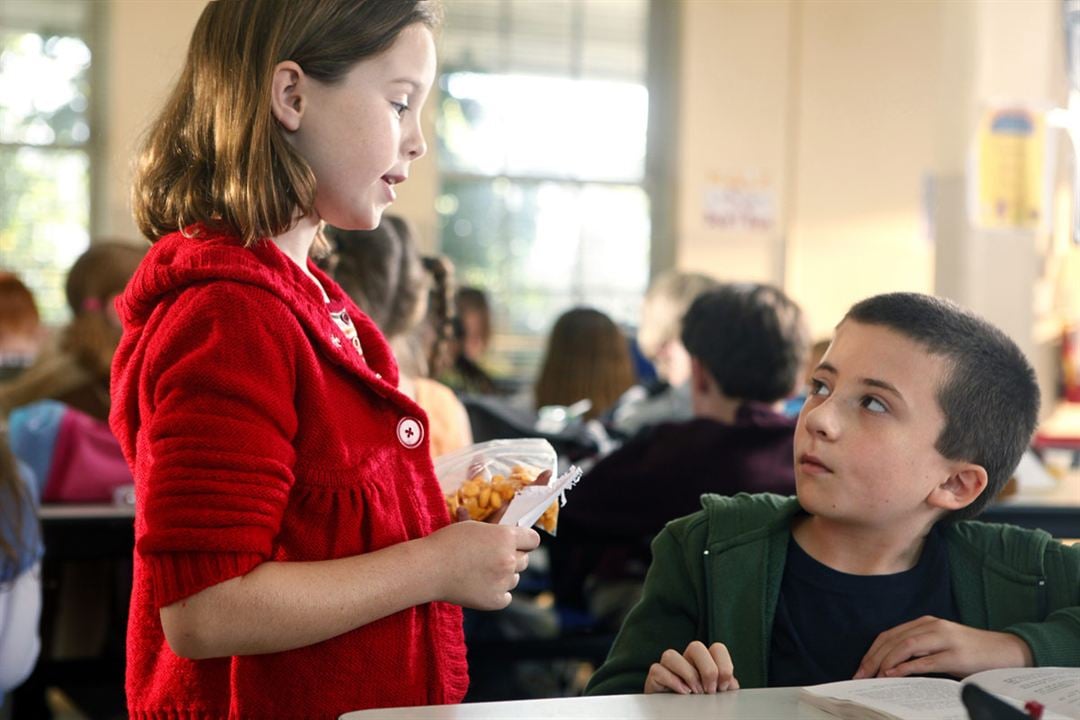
{"x": 826, "y": 620}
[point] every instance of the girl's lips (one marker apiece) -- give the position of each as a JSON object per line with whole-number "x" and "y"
{"x": 390, "y": 193}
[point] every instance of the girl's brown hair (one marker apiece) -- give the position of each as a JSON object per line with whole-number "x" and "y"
{"x": 216, "y": 155}
{"x": 18, "y": 311}
{"x": 587, "y": 357}
{"x": 438, "y": 335}
{"x": 99, "y": 275}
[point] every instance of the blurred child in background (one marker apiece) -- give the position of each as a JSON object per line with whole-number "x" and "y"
{"x": 472, "y": 338}
{"x": 659, "y": 340}
{"x": 21, "y": 333}
{"x": 587, "y": 358}
{"x": 75, "y": 369}
{"x": 747, "y": 346}
{"x": 20, "y": 571}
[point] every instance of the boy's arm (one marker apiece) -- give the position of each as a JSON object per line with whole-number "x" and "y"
{"x": 1056, "y": 640}
{"x": 932, "y": 645}
{"x": 667, "y": 616}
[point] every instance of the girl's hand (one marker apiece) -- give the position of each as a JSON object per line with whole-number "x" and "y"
{"x": 479, "y": 564}
{"x": 933, "y": 645}
{"x": 698, "y": 670}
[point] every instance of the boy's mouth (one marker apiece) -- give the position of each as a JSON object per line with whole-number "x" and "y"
{"x": 811, "y": 464}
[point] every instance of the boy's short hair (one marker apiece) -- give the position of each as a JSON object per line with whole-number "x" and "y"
{"x": 990, "y": 397}
{"x": 751, "y": 338}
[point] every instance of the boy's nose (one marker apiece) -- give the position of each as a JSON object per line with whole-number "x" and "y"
{"x": 822, "y": 421}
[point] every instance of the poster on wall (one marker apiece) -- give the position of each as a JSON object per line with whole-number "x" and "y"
{"x": 739, "y": 201}
{"x": 1010, "y": 167}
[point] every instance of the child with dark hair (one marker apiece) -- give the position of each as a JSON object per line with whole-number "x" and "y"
{"x": 747, "y": 344}
{"x": 917, "y": 414}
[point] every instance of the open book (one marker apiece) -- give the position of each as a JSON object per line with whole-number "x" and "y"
{"x": 919, "y": 698}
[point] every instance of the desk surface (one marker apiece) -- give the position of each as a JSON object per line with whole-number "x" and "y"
{"x": 767, "y": 704}
{"x": 85, "y": 511}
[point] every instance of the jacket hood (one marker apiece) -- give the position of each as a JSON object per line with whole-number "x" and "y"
{"x": 179, "y": 261}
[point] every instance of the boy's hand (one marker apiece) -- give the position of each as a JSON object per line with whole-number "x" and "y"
{"x": 932, "y": 645}
{"x": 697, "y": 670}
{"x": 479, "y": 564}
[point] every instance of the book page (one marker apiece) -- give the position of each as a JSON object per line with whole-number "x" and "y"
{"x": 905, "y": 698}
{"x": 1057, "y": 688}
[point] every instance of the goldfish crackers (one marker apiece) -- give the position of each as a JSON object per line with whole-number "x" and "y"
{"x": 484, "y": 478}
{"x": 483, "y": 494}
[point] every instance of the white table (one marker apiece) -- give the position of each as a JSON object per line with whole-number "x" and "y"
{"x": 770, "y": 704}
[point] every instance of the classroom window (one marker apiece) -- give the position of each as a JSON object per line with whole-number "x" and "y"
{"x": 45, "y": 144}
{"x": 541, "y": 132}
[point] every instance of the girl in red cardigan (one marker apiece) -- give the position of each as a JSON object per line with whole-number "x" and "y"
{"x": 294, "y": 557}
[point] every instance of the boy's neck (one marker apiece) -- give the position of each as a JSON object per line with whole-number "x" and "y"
{"x": 860, "y": 550}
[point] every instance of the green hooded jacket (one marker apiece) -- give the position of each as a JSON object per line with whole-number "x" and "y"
{"x": 715, "y": 577}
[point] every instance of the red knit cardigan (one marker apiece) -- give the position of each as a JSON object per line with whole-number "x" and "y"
{"x": 256, "y": 432}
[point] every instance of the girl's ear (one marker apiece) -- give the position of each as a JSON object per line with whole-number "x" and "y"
{"x": 966, "y": 483}
{"x": 286, "y": 95}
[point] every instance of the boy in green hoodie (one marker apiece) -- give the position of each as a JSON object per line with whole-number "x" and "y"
{"x": 917, "y": 415}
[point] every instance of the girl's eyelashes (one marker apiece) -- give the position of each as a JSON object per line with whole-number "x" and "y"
{"x": 399, "y": 107}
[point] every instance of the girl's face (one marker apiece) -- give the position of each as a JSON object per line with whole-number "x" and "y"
{"x": 359, "y": 135}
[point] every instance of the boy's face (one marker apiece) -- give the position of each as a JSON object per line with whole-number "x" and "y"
{"x": 864, "y": 444}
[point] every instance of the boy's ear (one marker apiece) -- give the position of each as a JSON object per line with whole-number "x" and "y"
{"x": 287, "y": 100}
{"x": 966, "y": 483}
{"x": 700, "y": 380}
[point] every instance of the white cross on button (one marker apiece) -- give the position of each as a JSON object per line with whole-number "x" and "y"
{"x": 410, "y": 432}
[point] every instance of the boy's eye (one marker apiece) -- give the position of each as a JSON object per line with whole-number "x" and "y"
{"x": 874, "y": 405}
{"x": 818, "y": 388}
{"x": 399, "y": 107}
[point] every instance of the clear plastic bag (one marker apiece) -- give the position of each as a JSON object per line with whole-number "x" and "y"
{"x": 509, "y": 481}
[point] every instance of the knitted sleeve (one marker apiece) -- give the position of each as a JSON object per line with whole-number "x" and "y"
{"x": 219, "y": 418}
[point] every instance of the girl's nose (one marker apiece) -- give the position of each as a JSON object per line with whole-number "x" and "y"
{"x": 413, "y": 143}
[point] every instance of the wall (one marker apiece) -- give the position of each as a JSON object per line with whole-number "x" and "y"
{"x": 146, "y": 43}
{"x": 860, "y": 117}
{"x": 851, "y": 119}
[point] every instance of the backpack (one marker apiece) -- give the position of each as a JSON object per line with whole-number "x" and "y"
{"x": 75, "y": 456}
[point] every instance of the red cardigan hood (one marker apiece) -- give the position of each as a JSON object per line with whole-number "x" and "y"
{"x": 176, "y": 262}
